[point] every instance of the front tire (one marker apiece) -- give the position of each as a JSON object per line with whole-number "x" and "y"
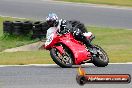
{"x": 64, "y": 61}
{"x": 101, "y": 59}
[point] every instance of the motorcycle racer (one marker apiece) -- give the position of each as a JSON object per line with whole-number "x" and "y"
{"x": 65, "y": 26}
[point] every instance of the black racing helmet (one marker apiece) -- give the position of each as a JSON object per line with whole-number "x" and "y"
{"x": 52, "y": 19}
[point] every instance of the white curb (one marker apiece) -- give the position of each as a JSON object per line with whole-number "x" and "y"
{"x": 13, "y": 17}
{"x": 46, "y": 65}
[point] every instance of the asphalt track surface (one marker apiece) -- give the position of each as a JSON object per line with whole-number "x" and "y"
{"x": 86, "y": 13}
{"x": 55, "y": 77}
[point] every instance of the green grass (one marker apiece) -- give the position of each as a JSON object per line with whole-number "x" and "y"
{"x": 10, "y": 41}
{"x": 28, "y": 57}
{"x": 108, "y": 2}
{"x": 116, "y": 42}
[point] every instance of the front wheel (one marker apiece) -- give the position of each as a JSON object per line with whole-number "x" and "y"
{"x": 63, "y": 60}
{"x": 101, "y": 59}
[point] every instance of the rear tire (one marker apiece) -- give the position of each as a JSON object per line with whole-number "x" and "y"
{"x": 100, "y": 60}
{"x": 60, "y": 59}
{"x": 37, "y": 29}
{"x": 27, "y": 27}
{"x": 7, "y": 27}
{"x": 18, "y": 28}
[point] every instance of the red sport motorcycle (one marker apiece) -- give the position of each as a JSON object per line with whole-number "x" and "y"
{"x": 66, "y": 51}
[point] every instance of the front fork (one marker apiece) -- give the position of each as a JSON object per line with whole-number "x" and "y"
{"x": 60, "y": 49}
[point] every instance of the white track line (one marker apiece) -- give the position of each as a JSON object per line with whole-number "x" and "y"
{"x": 13, "y": 17}
{"x": 46, "y": 65}
{"x": 122, "y": 63}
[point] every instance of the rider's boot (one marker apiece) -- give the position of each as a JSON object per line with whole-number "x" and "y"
{"x": 89, "y": 46}
{"x": 79, "y": 36}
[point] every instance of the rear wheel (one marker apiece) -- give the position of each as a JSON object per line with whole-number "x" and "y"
{"x": 63, "y": 60}
{"x": 101, "y": 59}
{"x": 17, "y": 28}
{"x": 7, "y": 27}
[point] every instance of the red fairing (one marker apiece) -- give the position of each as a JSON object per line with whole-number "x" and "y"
{"x": 78, "y": 50}
{"x": 60, "y": 48}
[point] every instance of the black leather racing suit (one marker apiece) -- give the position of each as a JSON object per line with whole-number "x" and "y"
{"x": 66, "y": 27}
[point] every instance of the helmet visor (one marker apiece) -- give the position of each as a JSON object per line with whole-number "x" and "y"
{"x": 50, "y": 22}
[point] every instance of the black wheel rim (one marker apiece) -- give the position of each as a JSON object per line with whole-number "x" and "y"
{"x": 102, "y": 55}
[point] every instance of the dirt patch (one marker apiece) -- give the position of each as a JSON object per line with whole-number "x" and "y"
{"x": 29, "y": 47}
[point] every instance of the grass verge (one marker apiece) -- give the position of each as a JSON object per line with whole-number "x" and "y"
{"x": 28, "y": 57}
{"x": 108, "y": 2}
{"x": 116, "y": 42}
